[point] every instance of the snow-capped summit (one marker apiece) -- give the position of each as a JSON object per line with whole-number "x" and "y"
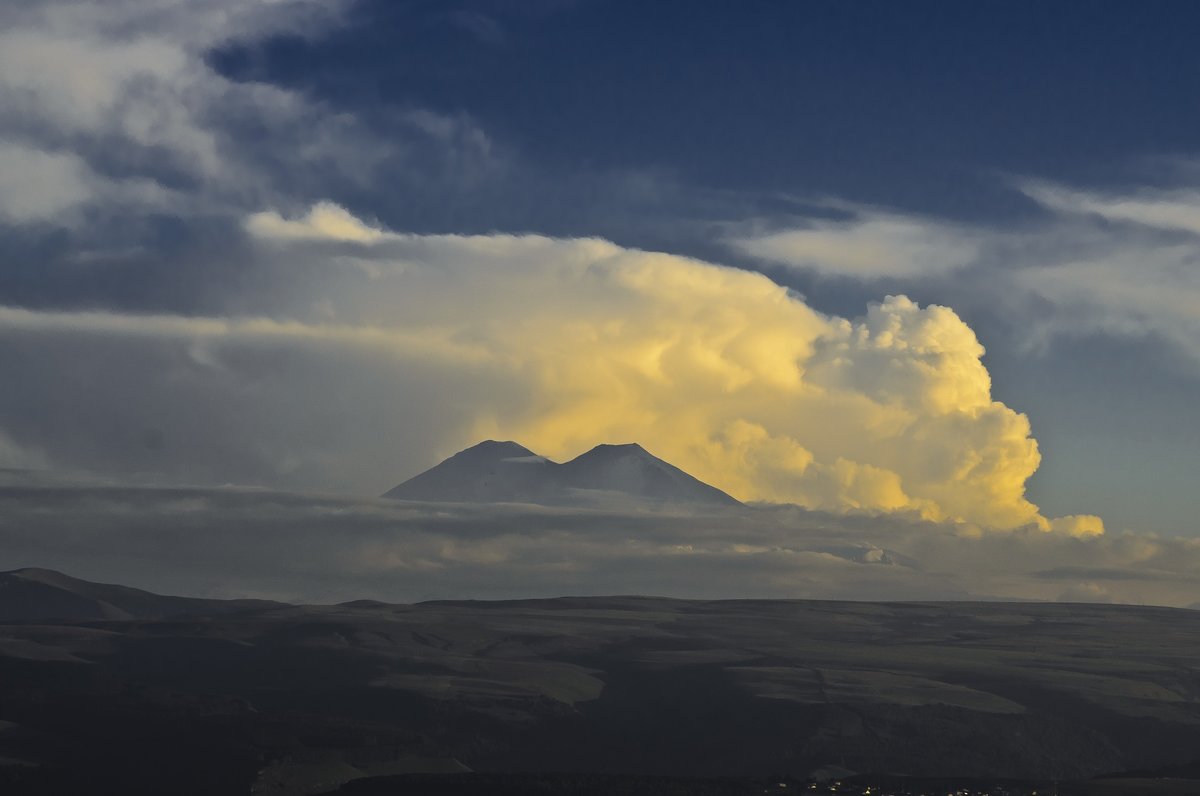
{"x": 505, "y": 472}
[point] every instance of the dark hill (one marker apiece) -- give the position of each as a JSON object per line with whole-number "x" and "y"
{"x": 299, "y": 699}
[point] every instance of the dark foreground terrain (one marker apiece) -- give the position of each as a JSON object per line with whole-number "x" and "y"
{"x": 111, "y": 690}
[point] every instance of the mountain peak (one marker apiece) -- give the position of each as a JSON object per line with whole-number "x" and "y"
{"x": 622, "y": 448}
{"x": 498, "y": 448}
{"x": 632, "y": 471}
{"x": 490, "y": 472}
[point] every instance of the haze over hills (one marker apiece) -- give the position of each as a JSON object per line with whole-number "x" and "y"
{"x": 506, "y": 472}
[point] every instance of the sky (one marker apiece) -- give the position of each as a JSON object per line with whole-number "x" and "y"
{"x": 924, "y": 265}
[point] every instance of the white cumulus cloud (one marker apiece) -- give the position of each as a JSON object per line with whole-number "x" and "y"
{"x": 119, "y": 106}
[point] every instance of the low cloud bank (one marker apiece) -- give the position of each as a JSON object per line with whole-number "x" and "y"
{"x": 230, "y": 542}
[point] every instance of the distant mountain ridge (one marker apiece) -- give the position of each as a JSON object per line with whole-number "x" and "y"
{"x": 506, "y": 472}
{"x": 33, "y": 594}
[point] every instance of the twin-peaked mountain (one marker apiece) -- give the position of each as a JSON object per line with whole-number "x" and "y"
{"x": 505, "y": 472}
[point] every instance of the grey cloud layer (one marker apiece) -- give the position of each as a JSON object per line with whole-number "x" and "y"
{"x": 304, "y": 547}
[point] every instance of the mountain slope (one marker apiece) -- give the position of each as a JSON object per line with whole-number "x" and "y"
{"x": 505, "y": 472}
{"x": 631, "y": 470}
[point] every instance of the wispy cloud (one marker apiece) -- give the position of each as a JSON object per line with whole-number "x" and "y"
{"x": 1161, "y": 209}
{"x": 869, "y": 245}
{"x": 1124, "y": 263}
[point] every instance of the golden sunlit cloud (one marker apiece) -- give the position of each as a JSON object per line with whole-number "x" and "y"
{"x": 362, "y": 356}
